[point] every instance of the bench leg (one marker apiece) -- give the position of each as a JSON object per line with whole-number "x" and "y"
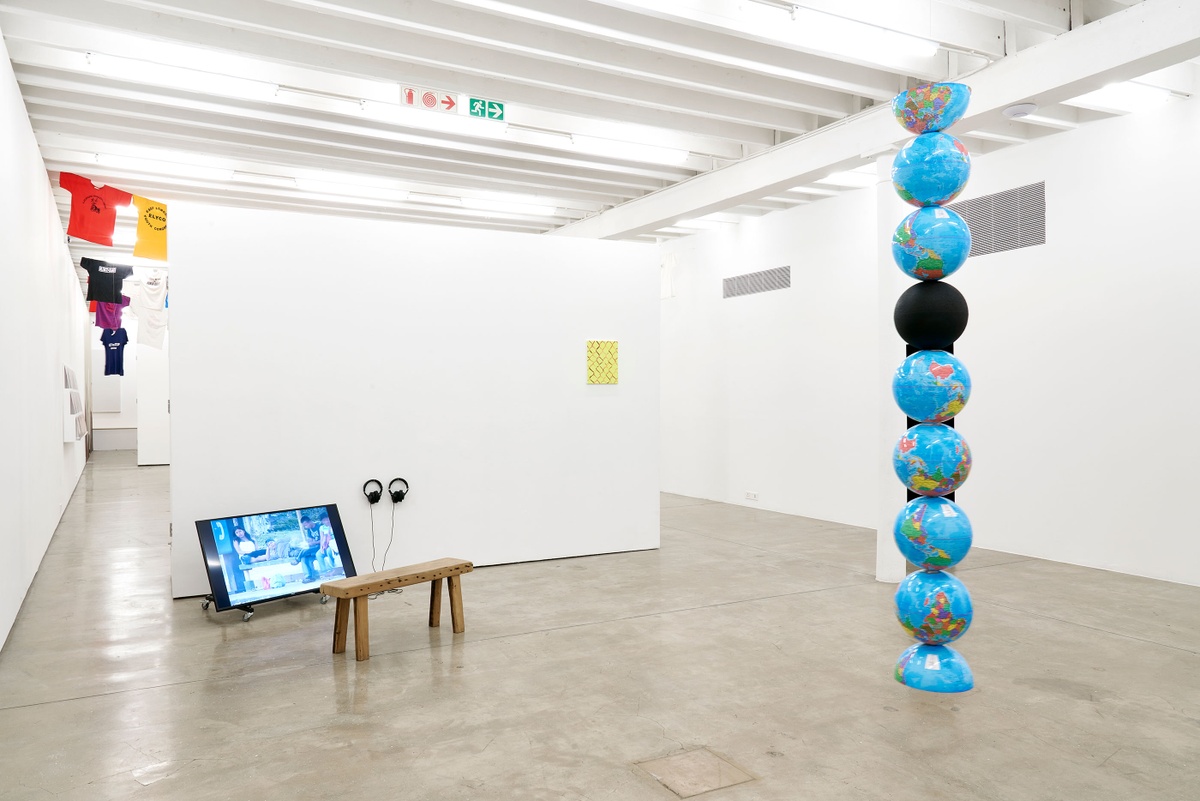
{"x": 435, "y": 603}
{"x": 362, "y": 647}
{"x": 456, "y": 609}
{"x": 341, "y": 621}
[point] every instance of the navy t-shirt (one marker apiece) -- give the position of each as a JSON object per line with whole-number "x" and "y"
{"x": 114, "y": 350}
{"x": 105, "y": 279}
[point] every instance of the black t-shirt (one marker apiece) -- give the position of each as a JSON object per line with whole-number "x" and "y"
{"x": 104, "y": 279}
{"x": 114, "y": 350}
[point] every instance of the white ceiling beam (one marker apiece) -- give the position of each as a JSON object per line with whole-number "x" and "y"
{"x": 52, "y": 136}
{"x": 953, "y": 29}
{"x": 1007, "y": 132}
{"x": 93, "y": 22}
{"x": 80, "y": 248}
{"x": 467, "y": 31}
{"x": 51, "y": 123}
{"x": 1049, "y": 16}
{"x": 191, "y": 127}
{"x": 660, "y": 35}
{"x": 65, "y": 149}
{"x": 171, "y": 191}
{"x": 1058, "y": 118}
{"x": 956, "y": 29}
{"x": 1180, "y": 79}
{"x": 1145, "y": 37}
{"x": 365, "y": 136}
{"x": 472, "y": 62}
{"x": 745, "y": 211}
{"x": 139, "y": 165}
{"x": 50, "y": 86}
{"x": 27, "y": 39}
{"x": 769, "y": 25}
{"x": 711, "y": 221}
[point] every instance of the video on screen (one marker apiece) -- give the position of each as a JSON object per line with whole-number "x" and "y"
{"x": 273, "y": 555}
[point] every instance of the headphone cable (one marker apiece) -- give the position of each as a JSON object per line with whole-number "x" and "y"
{"x": 371, "y": 511}
{"x": 391, "y": 536}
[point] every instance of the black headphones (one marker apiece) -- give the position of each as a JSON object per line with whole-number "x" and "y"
{"x": 374, "y": 495}
{"x": 397, "y": 494}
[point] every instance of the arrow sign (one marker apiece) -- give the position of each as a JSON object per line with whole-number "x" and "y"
{"x": 449, "y": 103}
{"x": 488, "y": 109}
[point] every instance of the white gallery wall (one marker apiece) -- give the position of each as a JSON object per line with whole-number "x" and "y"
{"x": 45, "y": 327}
{"x": 775, "y": 393}
{"x": 1082, "y": 352}
{"x": 311, "y": 353}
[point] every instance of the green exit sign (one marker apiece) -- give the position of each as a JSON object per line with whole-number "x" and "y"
{"x": 488, "y": 109}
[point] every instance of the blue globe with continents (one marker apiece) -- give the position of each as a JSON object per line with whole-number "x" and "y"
{"x": 931, "y": 106}
{"x": 932, "y": 459}
{"x": 931, "y": 243}
{"x": 933, "y": 607}
{"x": 931, "y": 170}
{"x": 933, "y": 533}
{"x": 931, "y": 386}
{"x": 934, "y": 669}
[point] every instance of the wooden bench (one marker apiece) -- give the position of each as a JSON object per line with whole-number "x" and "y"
{"x": 359, "y": 587}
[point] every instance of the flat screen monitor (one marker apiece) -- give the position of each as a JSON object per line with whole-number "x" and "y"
{"x": 270, "y": 555}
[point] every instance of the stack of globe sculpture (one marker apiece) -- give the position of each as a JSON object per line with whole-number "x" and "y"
{"x": 931, "y": 387}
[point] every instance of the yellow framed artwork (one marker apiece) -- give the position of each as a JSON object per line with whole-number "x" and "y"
{"x": 602, "y": 361}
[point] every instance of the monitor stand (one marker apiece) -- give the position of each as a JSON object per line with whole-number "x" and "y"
{"x": 248, "y": 609}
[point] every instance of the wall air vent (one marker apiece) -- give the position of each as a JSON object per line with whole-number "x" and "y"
{"x": 1006, "y": 220}
{"x": 753, "y": 283}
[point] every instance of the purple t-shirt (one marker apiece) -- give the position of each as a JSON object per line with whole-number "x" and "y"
{"x": 108, "y": 315}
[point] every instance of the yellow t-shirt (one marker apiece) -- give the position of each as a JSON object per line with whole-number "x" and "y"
{"x": 151, "y": 229}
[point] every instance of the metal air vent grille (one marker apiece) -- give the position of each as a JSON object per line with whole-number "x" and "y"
{"x": 1007, "y": 220}
{"x": 753, "y": 283}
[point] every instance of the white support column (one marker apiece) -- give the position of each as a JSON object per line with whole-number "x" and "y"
{"x": 890, "y": 210}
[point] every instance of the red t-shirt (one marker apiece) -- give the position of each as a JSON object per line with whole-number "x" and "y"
{"x": 93, "y": 208}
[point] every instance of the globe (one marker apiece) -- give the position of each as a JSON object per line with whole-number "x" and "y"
{"x": 931, "y": 170}
{"x": 931, "y": 243}
{"x": 935, "y": 669}
{"x": 931, "y": 386}
{"x": 932, "y": 533}
{"x": 934, "y": 607}
{"x": 932, "y": 459}
{"x": 931, "y": 315}
{"x": 931, "y": 106}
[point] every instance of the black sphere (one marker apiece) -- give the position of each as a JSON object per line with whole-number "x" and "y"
{"x": 931, "y": 315}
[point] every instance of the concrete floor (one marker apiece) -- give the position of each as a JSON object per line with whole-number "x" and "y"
{"x": 760, "y": 636}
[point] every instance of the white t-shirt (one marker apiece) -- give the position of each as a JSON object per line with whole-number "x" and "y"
{"x": 152, "y": 321}
{"x": 152, "y": 326}
{"x": 154, "y": 289}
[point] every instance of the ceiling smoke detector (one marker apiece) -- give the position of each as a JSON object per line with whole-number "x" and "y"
{"x": 1020, "y": 110}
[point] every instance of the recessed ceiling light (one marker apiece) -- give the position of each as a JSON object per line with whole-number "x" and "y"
{"x": 851, "y": 180}
{"x": 1127, "y": 96}
{"x": 440, "y": 200}
{"x": 183, "y": 165}
{"x": 629, "y": 151}
{"x": 265, "y": 179}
